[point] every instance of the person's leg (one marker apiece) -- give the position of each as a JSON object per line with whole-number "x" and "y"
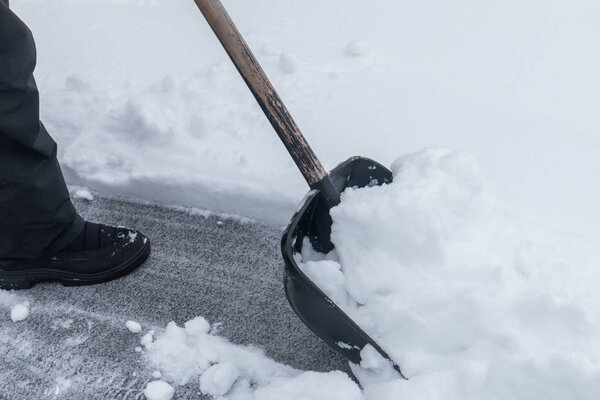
{"x": 36, "y": 213}
{"x": 41, "y": 236}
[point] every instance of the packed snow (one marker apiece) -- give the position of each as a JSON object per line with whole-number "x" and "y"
{"x": 470, "y": 301}
{"x": 143, "y": 106}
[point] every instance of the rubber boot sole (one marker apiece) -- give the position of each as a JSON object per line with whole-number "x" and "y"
{"x": 17, "y": 280}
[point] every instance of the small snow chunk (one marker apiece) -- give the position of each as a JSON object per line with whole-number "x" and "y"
{"x": 159, "y": 390}
{"x": 219, "y": 222}
{"x": 288, "y": 63}
{"x": 84, "y": 194}
{"x": 132, "y": 236}
{"x": 218, "y": 379}
{"x": 19, "y": 312}
{"x": 133, "y": 326}
{"x": 197, "y": 326}
{"x": 147, "y": 340}
{"x": 358, "y": 48}
{"x": 347, "y": 346}
{"x": 138, "y": 349}
{"x": 371, "y": 359}
{"x": 156, "y": 374}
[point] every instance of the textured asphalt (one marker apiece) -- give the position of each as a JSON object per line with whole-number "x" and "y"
{"x": 225, "y": 270}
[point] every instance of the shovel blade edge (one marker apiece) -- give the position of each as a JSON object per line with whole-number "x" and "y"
{"x": 312, "y": 221}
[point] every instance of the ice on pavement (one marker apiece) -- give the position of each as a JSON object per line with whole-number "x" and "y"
{"x": 469, "y": 300}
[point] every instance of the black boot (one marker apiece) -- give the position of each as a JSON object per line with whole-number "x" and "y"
{"x": 100, "y": 253}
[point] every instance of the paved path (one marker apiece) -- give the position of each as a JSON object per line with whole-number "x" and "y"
{"x": 227, "y": 271}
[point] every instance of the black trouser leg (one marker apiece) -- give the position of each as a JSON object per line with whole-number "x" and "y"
{"x": 36, "y": 213}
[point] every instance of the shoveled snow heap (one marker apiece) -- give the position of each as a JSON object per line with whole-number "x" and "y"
{"x": 195, "y": 353}
{"x": 471, "y": 302}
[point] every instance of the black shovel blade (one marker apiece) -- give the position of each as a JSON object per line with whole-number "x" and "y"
{"x": 313, "y": 221}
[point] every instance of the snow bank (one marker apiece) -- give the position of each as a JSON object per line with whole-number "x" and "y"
{"x": 471, "y": 302}
{"x": 145, "y": 106}
{"x": 225, "y": 370}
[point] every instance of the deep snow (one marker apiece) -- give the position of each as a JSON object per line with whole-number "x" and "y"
{"x": 470, "y": 301}
{"x": 144, "y": 102}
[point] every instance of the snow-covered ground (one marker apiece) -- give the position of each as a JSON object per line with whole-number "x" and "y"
{"x": 144, "y": 102}
{"x": 487, "y": 258}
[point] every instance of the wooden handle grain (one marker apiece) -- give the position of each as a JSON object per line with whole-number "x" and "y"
{"x": 263, "y": 90}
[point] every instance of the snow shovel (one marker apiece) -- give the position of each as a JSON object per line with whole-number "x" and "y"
{"x": 312, "y": 220}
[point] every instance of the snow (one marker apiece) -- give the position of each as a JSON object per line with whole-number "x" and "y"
{"x": 142, "y": 107}
{"x": 19, "y": 312}
{"x": 146, "y": 340}
{"x": 218, "y": 379}
{"x": 288, "y": 63}
{"x": 83, "y": 193}
{"x": 471, "y": 296}
{"x": 225, "y": 370}
{"x": 134, "y": 327}
{"x": 358, "y": 48}
{"x": 158, "y": 390}
{"x": 471, "y": 301}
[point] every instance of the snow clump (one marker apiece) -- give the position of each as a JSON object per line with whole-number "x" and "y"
{"x": 19, "y": 312}
{"x": 83, "y": 193}
{"x": 470, "y": 301}
{"x": 228, "y": 371}
{"x": 159, "y": 390}
{"x": 133, "y": 326}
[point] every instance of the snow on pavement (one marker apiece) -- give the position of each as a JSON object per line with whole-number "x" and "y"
{"x": 75, "y": 344}
{"x": 221, "y": 369}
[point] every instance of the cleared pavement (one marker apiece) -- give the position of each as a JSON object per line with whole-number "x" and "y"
{"x": 75, "y": 345}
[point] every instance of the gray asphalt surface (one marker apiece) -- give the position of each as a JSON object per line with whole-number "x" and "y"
{"x": 229, "y": 273}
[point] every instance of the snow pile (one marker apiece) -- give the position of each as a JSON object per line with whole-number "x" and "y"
{"x": 225, "y": 370}
{"x": 470, "y": 301}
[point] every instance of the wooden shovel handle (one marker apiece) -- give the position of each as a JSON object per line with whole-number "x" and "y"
{"x": 263, "y": 90}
